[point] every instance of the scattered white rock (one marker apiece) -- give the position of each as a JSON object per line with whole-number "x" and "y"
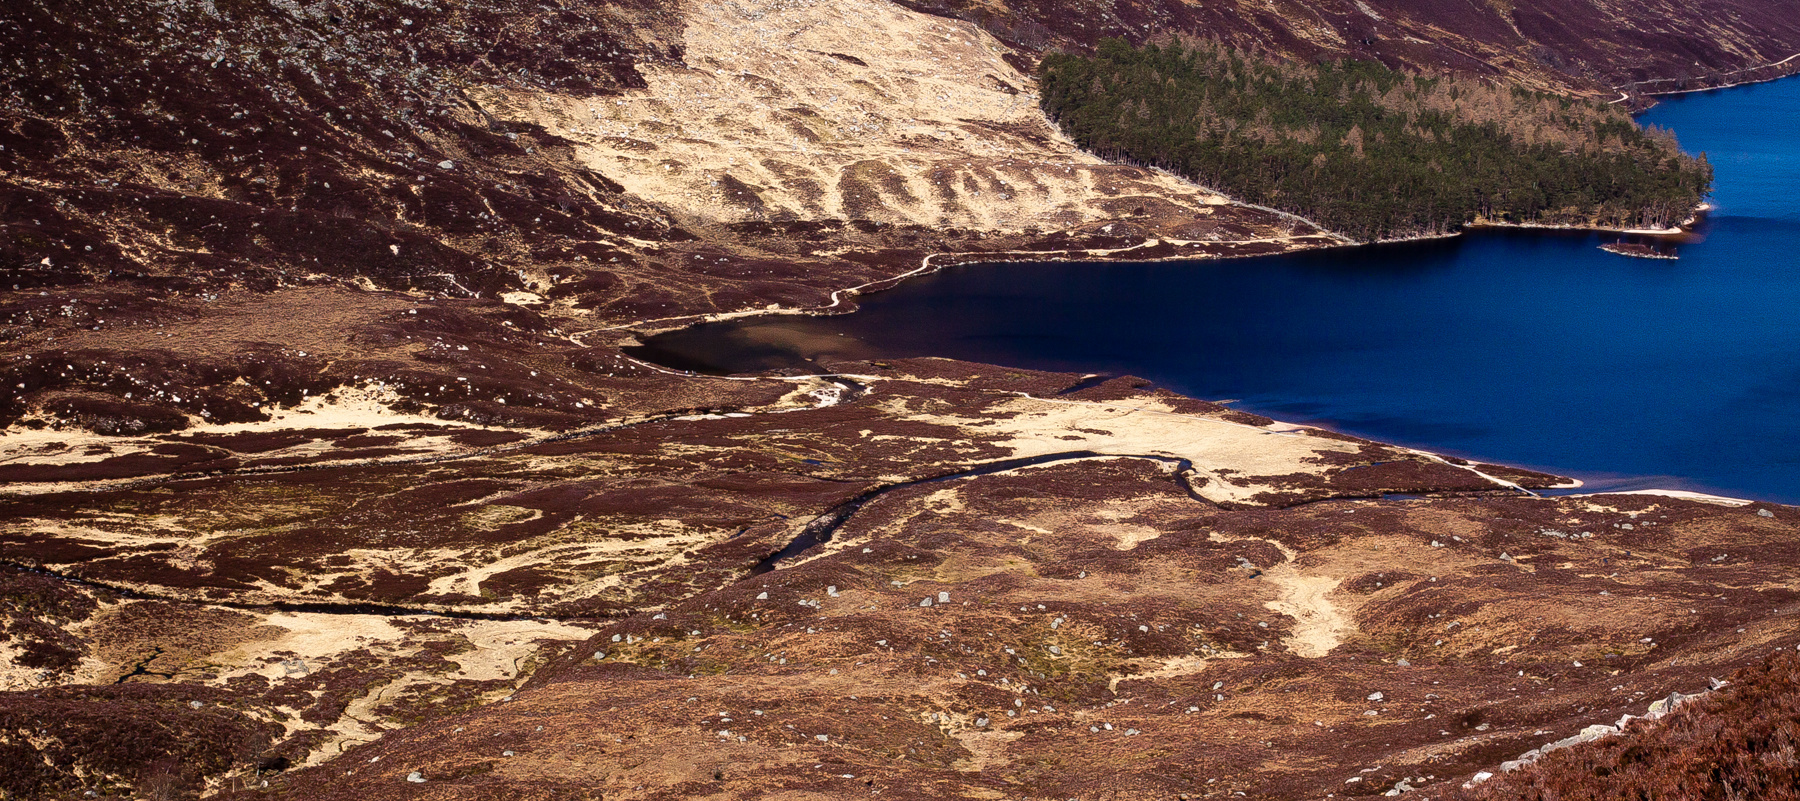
{"x": 415, "y": 777}
{"x": 1663, "y": 706}
{"x": 1658, "y": 709}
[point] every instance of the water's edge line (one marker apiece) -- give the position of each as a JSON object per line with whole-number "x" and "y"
{"x": 655, "y": 326}
{"x": 1791, "y": 72}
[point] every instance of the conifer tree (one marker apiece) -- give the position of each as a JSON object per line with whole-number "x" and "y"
{"x": 1366, "y": 150}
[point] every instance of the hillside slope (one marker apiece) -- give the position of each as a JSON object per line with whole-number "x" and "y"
{"x": 318, "y": 434}
{"x": 1592, "y": 46}
{"x": 602, "y": 165}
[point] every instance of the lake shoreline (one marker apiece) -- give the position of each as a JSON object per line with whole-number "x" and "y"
{"x": 655, "y": 326}
{"x": 1222, "y": 320}
{"x": 1785, "y": 68}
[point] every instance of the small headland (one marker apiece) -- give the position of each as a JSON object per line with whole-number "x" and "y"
{"x": 1638, "y": 250}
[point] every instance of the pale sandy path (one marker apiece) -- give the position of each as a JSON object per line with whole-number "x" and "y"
{"x": 1321, "y": 624}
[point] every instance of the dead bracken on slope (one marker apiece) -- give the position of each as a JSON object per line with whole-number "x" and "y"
{"x": 268, "y": 151}
{"x": 778, "y": 114}
{"x": 1091, "y": 629}
{"x": 1232, "y": 617}
{"x": 320, "y": 446}
{"x": 1737, "y": 741}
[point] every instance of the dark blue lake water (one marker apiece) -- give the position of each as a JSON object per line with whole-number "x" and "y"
{"x": 1529, "y": 348}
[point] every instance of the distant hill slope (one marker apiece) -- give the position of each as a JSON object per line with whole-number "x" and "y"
{"x": 190, "y": 146}
{"x": 1587, "y": 45}
{"x": 143, "y": 138}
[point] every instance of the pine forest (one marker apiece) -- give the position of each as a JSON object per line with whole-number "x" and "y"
{"x": 1368, "y": 151}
